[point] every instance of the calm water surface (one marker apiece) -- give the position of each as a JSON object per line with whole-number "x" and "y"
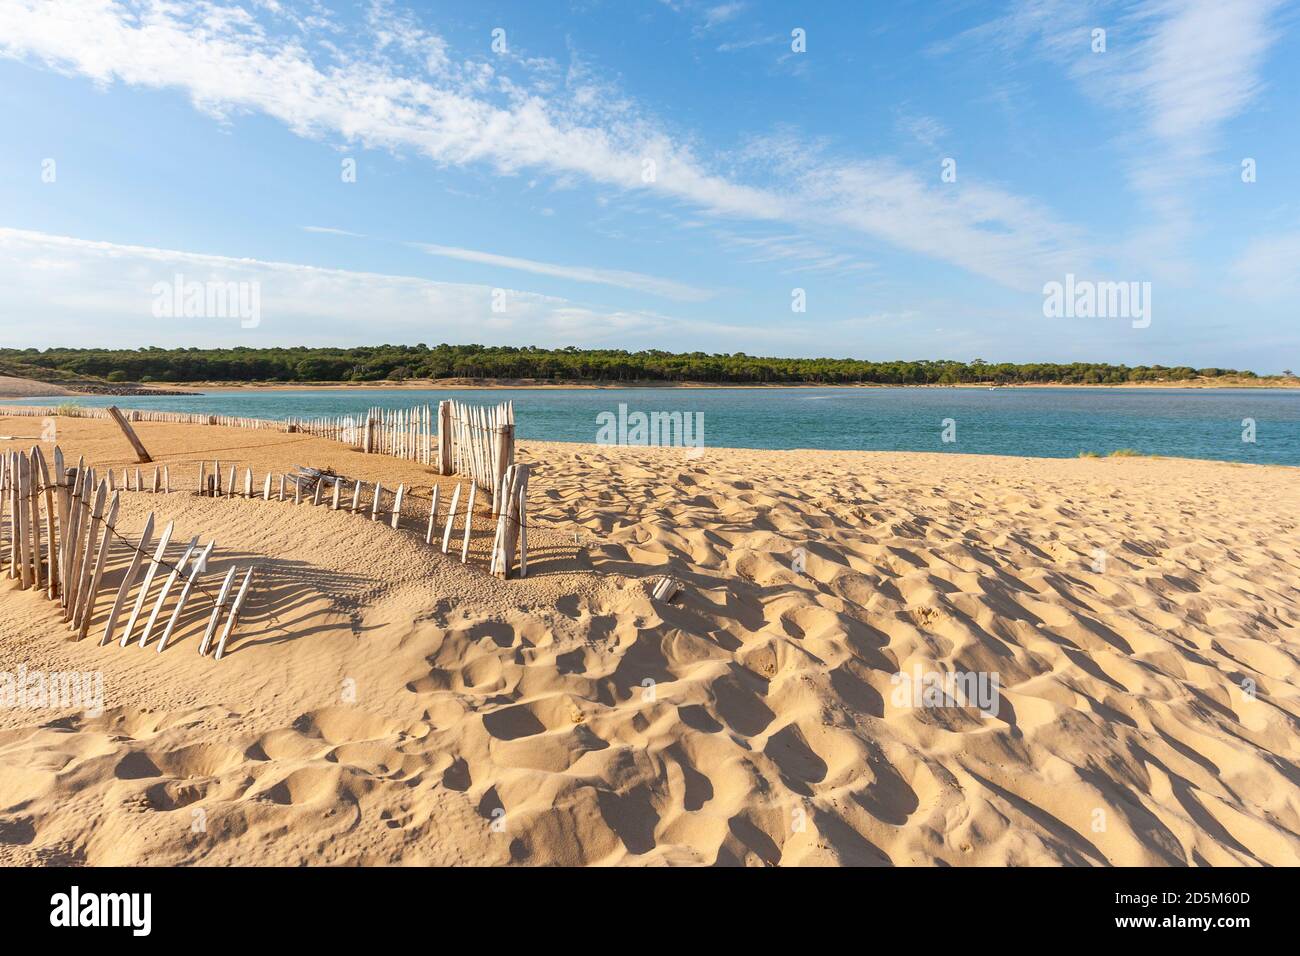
{"x": 1039, "y": 422}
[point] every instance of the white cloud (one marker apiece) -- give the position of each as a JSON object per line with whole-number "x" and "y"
{"x": 331, "y": 231}
{"x": 636, "y": 281}
{"x": 1200, "y": 66}
{"x": 1174, "y": 73}
{"x": 926, "y": 130}
{"x": 734, "y": 46}
{"x": 802, "y": 255}
{"x": 61, "y": 290}
{"x": 1183, "y": 68}
{"x": 722, "y": 13}
{"x": 1268, "y": 269}
{"x": 468, "y": 112}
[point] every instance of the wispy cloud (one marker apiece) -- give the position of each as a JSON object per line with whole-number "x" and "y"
{"x": 101, "y": 293}
{"x": 926, "y": 130}
{"x": 1267, "y": 271}
{"x": 399, "y": 87}
{"x": 1199, "y": 68}
{"x": 330, "y": 230}
{"x": 797, "y": 253}
{"x": 1180, "y": 68}
{"x": 734, "y": 46}
{"x": 722, "y": 13}
{"x": 63, "y": 290}
{"x": 635, "y": 281}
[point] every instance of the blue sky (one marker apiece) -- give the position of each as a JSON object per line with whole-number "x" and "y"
{"x": 656, "y": 174}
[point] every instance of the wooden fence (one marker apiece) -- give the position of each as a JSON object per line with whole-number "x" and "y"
{"x": 72, "y": 410}
{"x": 392, "y": 506}
{"x": 473, "y": 440}
{"x": 63, "y": 548}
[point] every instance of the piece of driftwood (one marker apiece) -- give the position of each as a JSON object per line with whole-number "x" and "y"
{"x": 141, "y": 454}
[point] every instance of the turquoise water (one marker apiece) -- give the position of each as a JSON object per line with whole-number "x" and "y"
{"x": 1039, "y": 422}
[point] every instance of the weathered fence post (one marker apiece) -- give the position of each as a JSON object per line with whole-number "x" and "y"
{"x": 444, "y": 437}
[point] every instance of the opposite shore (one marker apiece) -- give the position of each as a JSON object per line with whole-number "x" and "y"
{"x": 11, "y": 387}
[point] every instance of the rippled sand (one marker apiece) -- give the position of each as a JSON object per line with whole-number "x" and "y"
{"x": 384, "y": 704}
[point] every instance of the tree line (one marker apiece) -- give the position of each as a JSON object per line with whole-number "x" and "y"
{"x": 571, "y": 364}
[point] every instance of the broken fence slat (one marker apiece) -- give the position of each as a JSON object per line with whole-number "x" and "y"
{"x": 85, "y": 563}
{"x": 148, "y": 581}
{"x": 105, "y": 545}
{"x": 451, "y": 519}
{"x": 166, "y": 587}
{"x": 216, "y": 611}
{"x": 397, "y": 505}
{"x": 469, "y": 522}
{"x": 199, "y": 566}
{"x": 128, "y": 579}
{"x": 234, "y": 614}
{"x": 433, "y": 515}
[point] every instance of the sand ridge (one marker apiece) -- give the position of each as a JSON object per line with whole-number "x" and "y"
{"x": 382, "y": 704}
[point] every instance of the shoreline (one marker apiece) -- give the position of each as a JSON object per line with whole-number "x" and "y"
{"x": 35, "y": 389}
{"x": 517, "y": 385}
{"x": 444, "y": 385}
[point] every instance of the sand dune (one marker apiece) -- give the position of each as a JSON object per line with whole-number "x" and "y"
{"x": 11, "y": 387}
{"x": 383, "y": 704}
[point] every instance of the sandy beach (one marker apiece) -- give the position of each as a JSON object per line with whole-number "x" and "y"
{"x": 382, "y": 703}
